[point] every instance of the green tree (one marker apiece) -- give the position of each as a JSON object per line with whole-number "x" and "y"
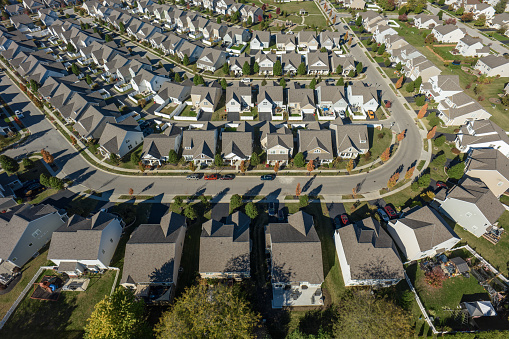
{"x": 88, "y": 79}
{"x": 339, "y": 69}
{"x": 312, "y": 84}
{"x": 410, "y": 87}
{"x": 185, "y": 60}
{"x": 75, "y": 69}
{"x": 190, "y": 212}
{"x": 226, "y": 68}
{"x": 71, "y": 48}
{"x": 303, "y": 200}
{"x": 424, "y": 180}
{"x": 399, "y": 66}
{"x": 218, "y": 20}
{"x": 235, "y": 202}
{"x": 56, "y": 183}
{"x": 255, "y": 159}
{"x": 249, "y": 21}
{"x": 460, "y": 11}
{"x": 387, "y": 62}
{"x": 208, "y": 312}
{"x": 417, "y": 83}
{"x": 277, "y": 69}
{"x": 301, "y": 70}
{"x": 456, "y": 171}
{"x": 198, "y": 80}
{"x": 177, "y": 77}
{"x": 341, "y": 82}
{"x": 9, "y": 164}
{"x": 246, "y": 68}
{"x": 223, "y": 83}
{"x": 299, "y": 160}
{"x": 500, "y": 6}
{"x": 135, "y": 158}
{"x": 358, "y": 21}
{"x": 439, "y": 141}
{"x": 108, "y": 38}
{"x": 251, "y": 210}
{"x": 173, "y": 157}
{"x": 282, "y": 82}
{"x": 420, "y": 100}
{"x": 359, "y": 67}
{"x": 351, "y": 74}
{"x": 178, "y": 201}
{"x": 44, "y": 180}
{"x": 34, "y": 86}
{"x": 481, "y": 21}
{"x": 440, "y": 160}
{"x": 264, "y": 82}
{"x": 256, "y": 68}
{"x": 119, "y": 316}
{"x": 381, "y": 49}
{"x": 122, "y": 27}
{"x": 218, "y": 161}
{"x": 28, "y": 163}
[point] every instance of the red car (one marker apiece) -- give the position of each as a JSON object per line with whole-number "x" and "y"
{"x": 390, "y": 212}
{"x": 211, "y": 177}
{"x": 344, "y": 219}
{"x": 441, "y": 184}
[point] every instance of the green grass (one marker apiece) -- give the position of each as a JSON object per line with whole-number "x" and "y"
{"x": 445, "y": 52}
{"x": 64, "y": 318}
{"x": 43, "y": 195}
{"x": 187, "y": 112}
{"x": 317, "y": 20}
{"x": 32, "y": 173}
{"x": 402, "y": 199}
{"x": 295, "y": 7}
{"x": 377, "y": 144}
{"x": 498, "y": 36}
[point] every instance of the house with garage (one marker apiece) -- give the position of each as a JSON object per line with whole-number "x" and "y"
{"x": 225, "y": 248}
{"x": 253, "y": 12}
{"x": 157, "y": 147}
{"x": 192, "y": 51}
{"x": 381, "y": 32}
{"x": 422, "y": 233}
{"x": 236, "y": 36}
{"x": 91, "y": 123}
{"x": 342, "y": 65}
{"x": 291, "y": 62}
{"x": 172, "y": 43}
{"x": 266, "y": 63}
{"x": 237, "y": 63}
{"x": 472, "y": 205}
{"x": 33, "y": 6}
{"x": 214, "y": 32}
{"x": 421, "y": 67}
{"x": 270, "y": 100}
{"x": 394, "y": 42}
{"x": 25, "y": 229}
{"x": 491, "y": 166}
{"x": 205, "y": 98}
{"x": 483, "y": 9}
{"x": 147, "y": 81}
{"x": 331, "y": 99}
{"x": 318, "y": 63}
{"x": 439, "y": 87}
{"x": 236, "y": 147}
{"x": 211, "y": 59}
{"x": 499, "y": 21}
{"x": 307, "y": 41}
{"x": 296, "y": 266}
{"x": 15, "y": 9}
{"x": 362, "y": 98}
{"x": 260, "y": 40}
{"x": 24, "y": 23}
{"x": 425, "y": 21}
{"x": 316, "y": 145}
{"x": 199, "y": 145}
{"x": 482, "y": 134}
{"x": 238, "y": 98}
{"x": 286, "y": 42}
{"x": 279, "y": 146}
{"x": 448, "y": 33}
{"x": 493, "y": 65}
{"x": 472, "y": 47}
{"x": 330, "y": 40}
{"x": 300, "y": 101}
{"x": 351, "y": 140}
{"x": 152, "y": 258}
{"x": 367, "y": 255}
{"x": 120, "y": 138}
{"x": 85, "y": 244}
{"x": 459, "y": 109}
{"x": 171, "y": 92}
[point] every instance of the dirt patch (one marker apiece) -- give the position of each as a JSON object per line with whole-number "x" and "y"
{"x": 494, "y": 100}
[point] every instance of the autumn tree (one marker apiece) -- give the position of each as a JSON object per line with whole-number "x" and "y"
{"x": 393, "y": 180}
{"x": 432, "y": 132}
{"x": 243, "y": 167}
{"x": 409, "y": 173}
{"x": 349, "y": 166}
{"x": 47, "y": 157}
{"x": 131, "y": 191}
{"x": 119, "y": 316}
{"x": 386, "y": 154}
{"x": 399, "y": 83}
{"x": 401, "y": 135}
{"x": 422, "y": 111}
{"x": 276, "y": 167}
{"x": 73, "y": 140}
{"x": 192, "y": 166}
{"x": 310, "y": 166}
{"x": 208, "y": 312}
{"x": 298, "y": 190}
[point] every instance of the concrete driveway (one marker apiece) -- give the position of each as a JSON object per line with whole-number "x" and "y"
{"x": 335, "y": 209}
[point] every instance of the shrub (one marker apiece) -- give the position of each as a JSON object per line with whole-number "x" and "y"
{"x": 415, "y": 186}
{"x": 303, "y": 200}
{"x": 455, "y": 151}
{"x": 424, "y": 180}
{"x": 299, "y": 161}
{"x": 439, "y": 141}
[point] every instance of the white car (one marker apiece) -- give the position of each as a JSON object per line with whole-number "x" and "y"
{"x": 246, "y": 80}
{"x": 19, "y": 114}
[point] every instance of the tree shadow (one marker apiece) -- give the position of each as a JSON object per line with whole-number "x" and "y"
{"x": 253, "y": 192}
{"x": 164, "y": 273}
{"x": 308, "y": 184}
{"x": 316, "y": 321}
{"x": 238, "y": 264}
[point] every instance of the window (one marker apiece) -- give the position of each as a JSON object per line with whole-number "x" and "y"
{"x": 111, "y": 240}
{"x": 129, "y": 147}
{"x": 36, "y": 233}
{"x": 272, "y": 152}
{"x": 282, "y": 152}
{"x": 316, "y": 151}
{"x": 363, "y": 141}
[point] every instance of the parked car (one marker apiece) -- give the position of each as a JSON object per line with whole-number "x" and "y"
{"x": 144, "y": 124}
{"x": 228, "y": 177}
{"x": 280, "y": 215}
{"x": 272, "y": 209}
{"x": 211, "y": 177}
{"x": 268, "y": 177}
{"x": 390, "y": 212}
{"x": 193, "y": 176}
{"x": 383, "y": 215}
{"x": 33, "y": 189}
{"x": 337, "y": 222}
{"x": 371, "y": 114}
{"x": 246, "y": 80}
{"x": 344, "y": 219}
{"x": 441, "y": 184}
{"x": 19, "y": 114}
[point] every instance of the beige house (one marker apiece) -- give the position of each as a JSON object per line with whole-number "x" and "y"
{"x": 492, "y": 167}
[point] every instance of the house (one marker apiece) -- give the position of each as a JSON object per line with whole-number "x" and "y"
{"x": 157, "y": 147}
{"x": 381, "y": 32}
{"x": 296, "y": 266}
{"x": 23, "y": 23}
{"x": 361, "y": 98}
{"x": 278, "y": 145}
{"x": 422, "y": 233}
{"x": 260, "y": 40}
{"x": 371, "y": 25}
{"x": 316, "y": 145}
{"x": 205, "y": 98}
{"x": 484, "y": 9}
{"x": 367, "y": 255}
{"x": 255, "y": 13}
{"x": 236, "y": 36}
{"x": 448, "y": 33}
{"x": 148, "y": 81}
{"x": 171, "y": 44}
{"x": 291, "y": 62}
{"x": 211, "y": 59}
{"x": 266, "y": 63}
{"x": 491, "y": 166}
{"x": 459, "y": 108}
{"x": 356, "y": 4}
{"x": 120, "y": 138}
{"x": 238, "y": 98}
{"x": 343, "y": 64}
{"x": 237, "y": 63}
{"x": 199, "y": 145}
{"x": 307, "y": 40}
{"x": 499, "y": 21}
{"x": 330, "y": 40}
{"x": 172, "y": 92}
{"x": 270, "y": 100}
{"x": 152, "y": 257}
{"x": 351, "y": 140}
{"x": 439, "y": 87}
{"x": 425, "y": 21}
{"x": 85, "y": 243}
{"x": 421, "y": 67}
{"x": 482, "y": 134}
{"x": 476, "y": 309}
{"x": 493, "y": 65}
{"x": 8, "y": 184}
{"x": 225, "y": 248}
{"x": 301, "y": 101}
{"x": 472, "y": 47}
{"x": 192, "y": 51}
{"x": 15, "y": 9}
{"x": 33, "y": 6}
{"x": 285, "y": 42}
{"x": 25, "y": 229}
{"x": 318, "y": 63}
{"x": 472, "y": 205}
{"x": 236, "y": 147}
{"x": 332, "y": 98}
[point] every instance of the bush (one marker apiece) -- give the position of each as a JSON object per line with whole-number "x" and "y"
{"x": 303, "y": 200}
{"x": 455, "y": 151}
{"x": 9, "y": 164}
{"x": 251, "y": 210}
{"x": 420, "y": 100}
{"x": 173, "y": 157}
{"x": 439, "y": 160}
{"x": 135, "y": 158}
{"x": 415, "y": 186}
{"x": 235, "y": 202}
{"x": 299, "y": 161}
{"x": 456, "y": 171}
{"x": 424, "y": 180}
{"x": 439, "y": 141}
{"x": 28, "y": 163}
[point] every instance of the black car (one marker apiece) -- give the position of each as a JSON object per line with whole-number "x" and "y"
{"x": 144, "y": 124}
{"x": 268, "y": 177}
{"x": 280, "y": 215}
{"x": 337, "y": 222}
{"x": 228, "y": 177}
{"x": 272, "y": 209}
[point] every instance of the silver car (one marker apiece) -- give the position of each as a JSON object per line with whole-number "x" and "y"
{"x": 193, "y": 176}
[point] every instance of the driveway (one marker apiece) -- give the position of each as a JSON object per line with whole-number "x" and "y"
{"x": 335, "y": 209}
{"x": 220, "y": 211}
{"x": 233, "y": 116}
{"x": 264, "y": 116}
{"x": 205, "y": 116}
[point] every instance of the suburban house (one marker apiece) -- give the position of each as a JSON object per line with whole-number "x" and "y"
{"x": 211, "y": 59}
{"x": 85, "y": 244}
{"x": 330, "y": 40}
{"x": 152, "y": 257}
{"x": 448, "y": 33}
{"x": 491, "y": 166}
{"x": 472, "y": 205}
{"x": 381, "y": 32}
{"x": 192, "y": 51}
{"x": 459, "y": 109}
{"x": 367, "y": 255}
{"x": 279, "y": 146}
{"x": 270, "y": 100}
{"x": 296, "y": 265}
{"x": 497, "y": 22}
{"x": 394, "y": 42}
{"x": 260, "y": 40}
{"x": 225, "y": 248}
{"x": 361, "y": 98}
{"x": 421, "y": 67}
{"x": 148, "y": 81}
{"x": 301, "y": 101}
{"x": 332, "y": 99}
{"x": 286, "y": 42}
{"x": 493, "y": 65}
{"x": 266, "y": 63}
{"x": 120, "y": 138}
{"x": 439, "y": 87}
{"x": 472, "y": 47}
{"x": 291, "y": 62}
{"x": 236, "y": 36}
{"x": 199, "y": 145}
{"x": 424, "y": 21}
{"x": 347, "y": 64}
{"x": 238, "y": 98}
{"x": 236, "y": 147}
{"x": 483, "y": 9}
{"x": 482, "y": 134}
{"x": 318, "y": 63}
{"x": 422, "y": 233}
{"x": 205, "y": 98}
{"x": 157, "y": 147}
{"x": 25, "y": 229}
{"x": 307, "y": 40}
{"x": 351, "y": 140}
{"x": 316, "y": 145}
{"x": 237, "y": 63}
{"x": 171, "y": 92}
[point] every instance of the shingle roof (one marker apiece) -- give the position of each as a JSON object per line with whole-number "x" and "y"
{"x": 494, "y": 61}
{"x": 488, "y": 160}
{"x": 310, "y": 140}
{"x": 238, "y": 143}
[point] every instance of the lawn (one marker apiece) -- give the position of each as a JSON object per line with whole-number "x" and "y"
{"x": 188, "y": 112}
{"x": 295, "y": 7}
{"x": 445, "y": 52}
{"x": 64, "y": 318}
{"x": 33, "y": 173}
{"x": 317, "y": 20}
{"x": 498, "y": 36}
{"x": 377, "y": 144}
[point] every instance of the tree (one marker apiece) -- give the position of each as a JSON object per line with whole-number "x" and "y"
{"x": 403, "y": 17}
{"x": 431, "y": 132}
{"x": 131, "y": 191}
{"x": 301, "y": 70}
{"x": 358, "y": 21}
{"x": 303, "y": 200}
{"x": 190, "y": 212}
{"x": 299, "y": 160}
{"x": 243, "y": 166}
{"x": 75, "y": 69}
{"x": 120, "y": 315}
{"x": 205, "y": 312}
{"x": 226, "y": 68}
{"x": 460, "y": 11}
{"x": 192, "y": 166}
{"x": 218, "y": 20}
{"x": 440, "y": 160}
{"x": 401, "y": 136}
{"x": 278, "y": 10}
{"x": 264, "y": 82}
{"x": 246, "y": 68}
{"x": 341, "y": 82}
{"x": 400, "y": 81}
{"x": 218, "y": 161}
{"x": 173, "y": 157}
{"x": 351, "y": 74}
{"x": 255, "y": 159}
{"x": 298, "y": 190}
{"x": 88, "y": 79}
{"x": 312, "y": 84}
{"x": 420, "y": 100}
{"x": 481, "y": 21}
{"x": 399, "y": 66}
{"x": 409, "y": 173}
{"x": 393, "y": 180}
{"x": 456, "y": 171}
{"x": 500, "y": 6}
{"x": 177, "y": 77}
{"x": 387, "y": 62}
{"x": 418, "y": 82}
{"x": 178, "y": 201}
{"x": 441, "y": 13}
{"x": 276, "y": 167}
{"x": 121, "y": 27}
{"x": 386, "y": 154}
{"x": 350, "y": 165}
{"x": 359, "y": 67}
{"x": 310, "y": 166}
{"x": 430, "y": 39}
{"x": 108, "y": 38}
{"x": 223, "y": 83}
{"x": 439, "y": 141}
{"x": 256, "y": 68}
{"x": 251, "y": 210}
{"x": 34, "y": 86}
{"x": 235, "y": 202}
{"x": 424, "y": 180}
{"x": 260, "y": 18}
{"x": 277, "y": 69}
{"x": 418, "y": 9}
{"x": 249, "y": 21}
{"x": 467, "y": 17}
{"x": 28, "y": 163}
{"x": 339, "y": 69}
{"x": 198, "y": 80}
{"x": 71, "y": 48}
{"x": 381, "y": 49}
{"x": 47, "y": 157}
{"x": 435, "y": 277}
{"x": 185, "y": 60}
{"x": 135, "y": 158}
{"x": 410, "y": 87}
{"x": 422, "y": 111}
{"x": 44, "y": 180}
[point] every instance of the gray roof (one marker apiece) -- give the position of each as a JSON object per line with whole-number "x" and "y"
{"x": 488, "y": 160}
{"x": 80, "y": 238}
{"x": 200, "y": 141}
{"x": 446, "y": 29}
{"x": 461, "y": 264}
{"x": 157, "y": 145}
{"x": 310, "y": 140}
{"x": 225, "y": 247}
{"x": 114, "y": 134}
{"x": 469, "y": 41}
{"x": 350, "y": 136}
{"x": 369, "y": 251}
{"x": 494, "y": 61}
{"x": 236, "y": 92}
{"x": 428, "y": 226}
{"x": 296, "y": 250}
{"x": 484, "y": 131}
{"x": 150, "y": 252}
{"x": 239, "y": 143}
{"x": 474, "y": 191}
{"x": 272, "y": 93}
{"x": 294, "y": 59}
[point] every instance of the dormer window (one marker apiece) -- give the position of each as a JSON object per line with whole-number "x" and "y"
{"x": 316, "y": 151}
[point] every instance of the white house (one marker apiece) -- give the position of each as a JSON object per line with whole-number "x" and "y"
{"x": 448, "y": 33}
{"x": 493, "y": 65}
{"x": 482, "y": 134}
{"x": 491, "y": 166}
{"x": 472, "y": 47}
{"x": 238, "y": 98}
{"x": 120, "y": 138}
{"x": 424, "y": 21}
{"x": 361, "y": 98}
{"x": 459, "y": 108}
{"x": 148, "y": 81}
